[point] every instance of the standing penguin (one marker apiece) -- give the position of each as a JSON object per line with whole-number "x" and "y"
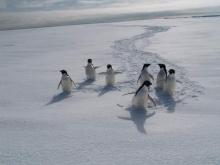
{"x": 170, "y": 85}
{"x": 66, "y": 81}
{"x": 110, "y": 75}
{"x": 145, "y": 75}
{"x": 141, "y": 96}
{"x": 161, "y": 76}
{"x": 90, "y": 70}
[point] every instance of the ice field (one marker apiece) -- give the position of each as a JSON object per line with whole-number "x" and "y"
{"x": 41, "y": 125}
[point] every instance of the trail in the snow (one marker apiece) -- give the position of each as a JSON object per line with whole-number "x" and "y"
{"x": 132, "y": 58}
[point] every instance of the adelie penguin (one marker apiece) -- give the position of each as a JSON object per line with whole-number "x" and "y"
{"x": 90, "y": 70}
{"x": 110, "y": 75}
{"x": 145, "y": 75}
{"x": 170, "y": 85}
{"x": 66, "y": 82}
{"x": 142, "y": 96}
{"x": 161, "y": 76}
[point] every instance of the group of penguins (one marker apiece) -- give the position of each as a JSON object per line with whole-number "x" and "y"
{"x": 165, "y": 82}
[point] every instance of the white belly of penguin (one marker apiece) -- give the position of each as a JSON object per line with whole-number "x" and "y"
{"x": 161, "y": 78}
{"x": 66, "y": 85}
{"x": 90, "y": 73}
{"x": 144, "y": 77}
{"x": 170, "y": 85}
{"x": 110, "y": 79}
{"x": 140, "y": 100}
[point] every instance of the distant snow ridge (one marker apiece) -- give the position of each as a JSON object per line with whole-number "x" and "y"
{"x": 132, "y": 58}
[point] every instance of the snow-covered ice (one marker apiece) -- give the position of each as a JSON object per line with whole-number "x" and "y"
{"x": 41, "y": 125}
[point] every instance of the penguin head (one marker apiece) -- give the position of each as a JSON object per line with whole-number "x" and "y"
{"x": 145, "y": 66}
{"x": 89, "y": 60}
{"x": 162, "y": 65}
{"x": 171, "y": 71}
{"x": 63, "y": 72}
{"x": 109, "y": 66}
{"x": 147, "y": 83}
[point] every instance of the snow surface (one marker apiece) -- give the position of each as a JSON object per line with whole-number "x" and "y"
{"x": 42, "y": 125}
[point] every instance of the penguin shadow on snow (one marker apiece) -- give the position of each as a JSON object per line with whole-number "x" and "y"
{"x": 59, "y": 97}
{"x": 84, "y": 84}
{"x": 106, "y": 89}
{"x": 166, "y": 100}
{"x": 139, "y": 117}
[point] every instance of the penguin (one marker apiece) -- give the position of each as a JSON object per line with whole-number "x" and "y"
{"x": 66, "y": 82}
{"x": 90, "y": 70}
{"x": 110, "y": 76}
{"x": 170, "y": 84}
{"x": 161, "y": 76}
{"x": 142, "y": 96}
{"x": 145, "y": 75}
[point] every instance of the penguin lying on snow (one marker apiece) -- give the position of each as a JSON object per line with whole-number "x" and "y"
{"x": 90, "y": 70}
{"x": 66, "y": 81}
{"x": 142, "y": 96}
{"x": 170, "y": 82}
{"x": 110, "y": 75}
{"x": 161, "y": 76}
{"x": 145, "y": 75}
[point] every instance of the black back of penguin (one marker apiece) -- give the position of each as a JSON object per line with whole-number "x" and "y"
{"x": 145, "y": 83}
{"x": 163, "y": 66}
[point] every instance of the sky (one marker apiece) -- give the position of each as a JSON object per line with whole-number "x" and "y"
{"x": 37, "y": 13}
{"x": 42, "y": 5}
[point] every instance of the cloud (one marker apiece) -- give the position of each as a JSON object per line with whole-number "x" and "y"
{"x": 2, "y": 4}
{"x": 42, "y": 5}
{"x": 38, "y": 13}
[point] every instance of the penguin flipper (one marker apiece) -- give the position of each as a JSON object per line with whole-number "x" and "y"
{"x": 152, "y": 100}
{"x": 118, "y": 72}
{"x": 59, "y": 84}
{"x": 152, "y": 77}
{"x": 139, "y": 78}
{"x": 73, "y": 83}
